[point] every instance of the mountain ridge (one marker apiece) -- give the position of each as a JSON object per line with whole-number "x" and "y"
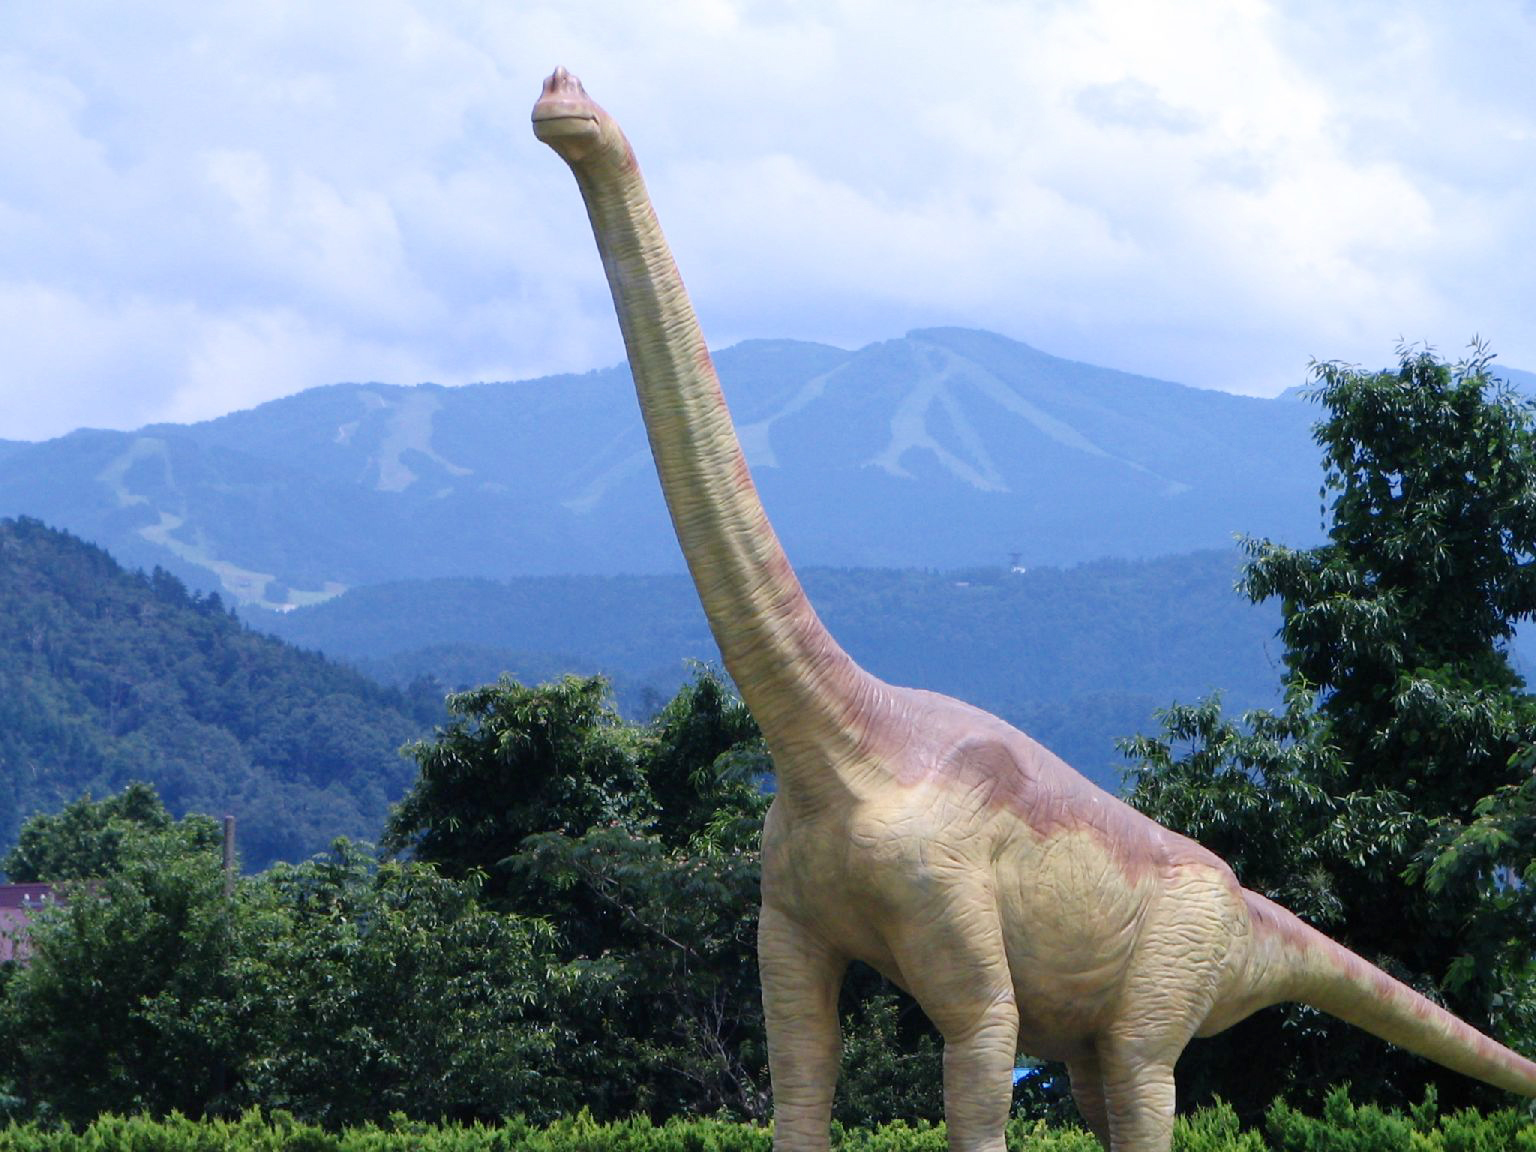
{"x": 944, "y": 448}
{"x": 1079, "y": 657}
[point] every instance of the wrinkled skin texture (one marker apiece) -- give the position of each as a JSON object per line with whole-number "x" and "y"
{"x": 1024, "y": 908}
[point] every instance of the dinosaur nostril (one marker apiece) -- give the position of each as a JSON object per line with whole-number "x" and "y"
{"x": 561, "y": 83}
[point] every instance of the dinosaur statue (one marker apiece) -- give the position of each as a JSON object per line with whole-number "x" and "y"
{"x": 1018, "y": 903}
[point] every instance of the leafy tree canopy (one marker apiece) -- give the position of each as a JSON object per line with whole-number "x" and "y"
{"x": 90, "y": 839}
{"x": 615, "y": 971}
{"x": 341, "y": 989}
{"x": 125, "y": 1002}
{"x": 387, "y": 988}
{"x": 640, "y": 846}
{"x": 514, "y": 761}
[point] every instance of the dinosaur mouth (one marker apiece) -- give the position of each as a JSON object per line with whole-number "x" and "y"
{"x": 554, "y": 122}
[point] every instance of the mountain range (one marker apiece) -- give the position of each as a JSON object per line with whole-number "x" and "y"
{"x": 944, "y": 449}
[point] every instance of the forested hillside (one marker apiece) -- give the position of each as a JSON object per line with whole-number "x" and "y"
{"x": 109, "y": 676}
{"x": 1079, "y": 657}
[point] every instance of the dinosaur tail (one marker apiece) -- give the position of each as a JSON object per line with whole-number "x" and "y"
{"x": 1317, "y": 971}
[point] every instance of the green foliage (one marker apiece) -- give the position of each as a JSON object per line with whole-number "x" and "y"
{"x": 891, "y": 1069}
{"x": 673, "y": 931}
{"x": 107, "y": 677}
{"x": 1346, "y": 1127}
{"x": 1342, "y": 1127}
{"x": 1037, "y": 1136}
{"x": 90, "y": 839}
{"x": 704, "y": 758}
{"x": 587, "y": 941}
{"x": 642, "y": 847}
{"x": 390, "y": 989}
{"x": 126, "y": 1002}
{"x": 1214, "y": 1129}
{"x": 514, "y": 761}
{"x": 1387, "y": 802}
{"x": 339, "y": 989}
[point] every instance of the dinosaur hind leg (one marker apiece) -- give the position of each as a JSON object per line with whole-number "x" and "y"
{"x": 1139, "y": 1100}
{"x": 801, "y": 977}
{"x": 1185, "y": 957}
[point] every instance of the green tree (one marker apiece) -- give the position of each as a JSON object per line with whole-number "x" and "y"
{"x": 88, "y": 838}
{"x": 513, "y": 761}
{"x": 125, "y": 1002}
{"x": 388, "y": 988}
{"x": 1381, "y": 803}
{"x": 670, "y": 901}
{"x": 640, "y": 847}
{"x": 681, "y": 758}
{"x": 653, "y": 893}
{"x": 893, "y": 1062}
{"x": 684, "y": 1034}
{"x": 340, "y": 989}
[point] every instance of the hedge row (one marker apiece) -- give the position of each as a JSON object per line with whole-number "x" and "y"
{"x": 1343, "y": 1127}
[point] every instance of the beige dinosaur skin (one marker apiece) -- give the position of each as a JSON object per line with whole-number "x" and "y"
{"x": 1022, "y": 906}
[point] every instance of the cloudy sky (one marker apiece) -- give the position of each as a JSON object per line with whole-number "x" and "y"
{"x": 203, "y": 207}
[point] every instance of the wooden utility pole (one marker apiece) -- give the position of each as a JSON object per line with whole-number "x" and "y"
{"x": 229, "y": 857}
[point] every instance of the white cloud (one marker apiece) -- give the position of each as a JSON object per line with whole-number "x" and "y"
{"x": 208, "y": 207}
{"x": 67, "y": 354}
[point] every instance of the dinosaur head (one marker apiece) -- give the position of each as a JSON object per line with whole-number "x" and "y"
{"x": 571, "y": 123}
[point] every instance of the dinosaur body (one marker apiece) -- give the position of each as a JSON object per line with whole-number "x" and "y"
{"x": 1022, "y": 906}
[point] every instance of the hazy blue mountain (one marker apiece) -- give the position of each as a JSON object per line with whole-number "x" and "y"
{"x": 1079, "y": 657}
{"x": 943, "y": 449}
{"x": 1524, "y": 381}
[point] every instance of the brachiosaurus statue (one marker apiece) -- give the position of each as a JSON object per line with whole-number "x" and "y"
{"x": 1017, "y": 902}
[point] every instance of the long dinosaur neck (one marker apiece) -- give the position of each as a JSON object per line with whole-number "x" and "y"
{"x": 804, "y": 690}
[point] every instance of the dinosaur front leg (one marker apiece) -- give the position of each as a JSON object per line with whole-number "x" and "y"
{"x": 801, "y": 978}
{"x": 978, "y": 1076}
{"x": 958, "y": 972}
